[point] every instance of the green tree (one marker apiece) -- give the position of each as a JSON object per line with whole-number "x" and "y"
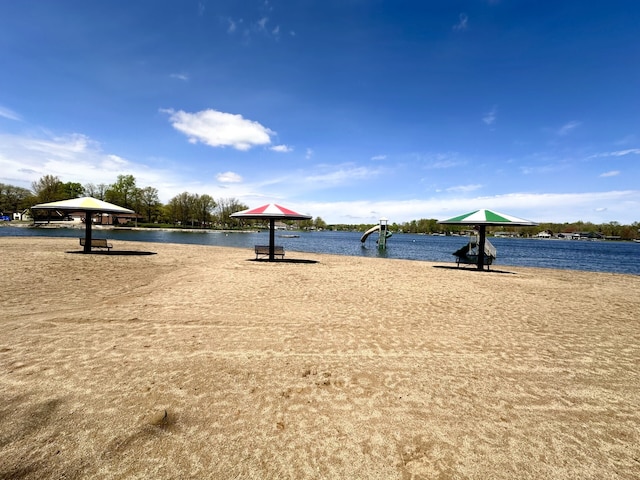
{"x": 203, "y": 207}
{"x": 48, "y": 189}
{"x": 320, "y": 224}
{"x": 227, "y": 206}
{"x": 123, "y": 192}
{"x": 96, "y": 191}
{"x": 150, "y": 203}
{"x": 180, "y": 208}
{"x": 14, "y": 199}
{"x": 71, "y": 190}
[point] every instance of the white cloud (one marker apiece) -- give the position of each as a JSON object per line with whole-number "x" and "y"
{"x": 180, "y": 76}
{"x": 309, "y": 154}
{"x": 9, "y": 114}
{"x": 542, "y": 169}
{"x": 612, "y": 173}
{"x": 282, "y": 148}
{"x": 379, "y": 157}
{"x": 491, "y": 116}
{"x": 598, "y": 207}
{"x": 464, "y": 188}
{"x": 618, "y": 153}
{"x": 568, "y": 128}
{"x": 73, "y": 158}
{"x": 228, "y": 177}
{"x": 439, "y": 161}
{"x": 342, "y": 175}
{"x": 219, "y": 129}
{"x": 463, "y": 23}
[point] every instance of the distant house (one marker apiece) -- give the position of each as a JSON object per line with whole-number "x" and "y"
{"x": 24, "y": 215}
{"x": 580, "y": 235}
{"x": 505, "y": 234}
{"x": 280, "y": 226}
{"x": 544, "y": 234}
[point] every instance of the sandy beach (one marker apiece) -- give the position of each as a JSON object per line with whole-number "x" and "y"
{"x": 199, "y": 362}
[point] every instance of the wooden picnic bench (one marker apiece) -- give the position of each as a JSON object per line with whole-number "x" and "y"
{"x": 488, "y": 260}
{"x": 263, "y": 250}
{"x": 98, "y": 243}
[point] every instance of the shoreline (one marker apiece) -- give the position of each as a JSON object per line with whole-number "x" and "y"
{"x": 80, "y": 226}
{"x": 77, "y": 226}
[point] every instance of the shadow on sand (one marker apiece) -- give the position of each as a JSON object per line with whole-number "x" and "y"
{"x": 473, "y": 269}
{"x": 114, "y": 252}
{"x": 281, "y": 260}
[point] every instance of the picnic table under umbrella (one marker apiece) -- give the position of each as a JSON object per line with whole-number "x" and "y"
{"x": 483, "y": 218}
{"x": 89, "y": 206}
{"x": 271, "y": 212}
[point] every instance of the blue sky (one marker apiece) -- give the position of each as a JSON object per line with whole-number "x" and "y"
{"x": 350, "y": 110}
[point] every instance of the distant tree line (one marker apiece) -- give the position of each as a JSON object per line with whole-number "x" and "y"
{"x": 186, "y": 210}
{"x": 431, "y": 226}
{"x": 193, "y": 210}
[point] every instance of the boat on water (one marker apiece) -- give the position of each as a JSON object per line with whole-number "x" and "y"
{"x": 289, "y": 235}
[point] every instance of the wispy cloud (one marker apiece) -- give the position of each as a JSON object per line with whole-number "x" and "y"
{"x": 568, "y": 128}
{"x": 491, "y": 116}
{"x": 538, "y": 207}
{"x": 342, "y": 174}
{"x": 379, "y": 157}
{"x": 612, "y": 173}
{"x": 464, "y": 188}
{"x": 541, "y": 169}
{"x": 463, "y": 23}
{"x": 9, "y": 114}
{"x": 73, "y": 157}
{"x": 262, "y": 24}
{"x": 232, "y": 25}
{"x": 180, "y": 76}
{"x": 617, "y": 153}
{"x": 220, "y": 129}
{"x": 308, "y": 154}
{"x": 443, "y": 161}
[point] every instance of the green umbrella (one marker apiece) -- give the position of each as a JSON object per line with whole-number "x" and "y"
{"x": 483, "y": 218}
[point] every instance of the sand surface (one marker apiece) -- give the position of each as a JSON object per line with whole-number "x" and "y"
{"x": 198, "y": 362}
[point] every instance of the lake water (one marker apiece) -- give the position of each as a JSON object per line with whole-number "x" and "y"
{"x": 597, "y": 256}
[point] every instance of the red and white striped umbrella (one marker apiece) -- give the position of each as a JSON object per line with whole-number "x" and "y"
{"x": 271, "y": 210}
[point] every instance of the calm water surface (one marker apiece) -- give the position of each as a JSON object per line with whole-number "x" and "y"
{"x": 598, "y": 256}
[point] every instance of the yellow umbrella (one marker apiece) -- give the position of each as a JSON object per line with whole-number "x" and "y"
{"x": 89, "y": 205}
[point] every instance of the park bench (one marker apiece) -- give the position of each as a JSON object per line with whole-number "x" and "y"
{"x": 263, "y": 250}
{"x": 98, "y": 243}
